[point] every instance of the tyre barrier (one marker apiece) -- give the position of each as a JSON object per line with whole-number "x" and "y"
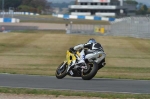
{"x": 83, "y": 17}
{"x": 9, "y": 20}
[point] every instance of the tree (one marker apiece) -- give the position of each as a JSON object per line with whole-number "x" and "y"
{"x": 143, "y": 10}
{"x": 10, "y": 3}
{"x": 35, "y": 5}
{"x": 148, "y": 11}
{"x": 27, "y": 5}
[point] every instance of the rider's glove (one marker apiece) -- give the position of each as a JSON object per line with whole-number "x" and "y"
{"x": 71, "y": 50}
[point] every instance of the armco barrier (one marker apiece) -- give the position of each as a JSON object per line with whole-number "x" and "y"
{"x": 83, "y": 17}
{"x": 9, "y": 20}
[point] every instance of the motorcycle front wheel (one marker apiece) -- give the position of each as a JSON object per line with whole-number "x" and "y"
{"x": 90, "y": 72}
{"x": 61, "y": 70}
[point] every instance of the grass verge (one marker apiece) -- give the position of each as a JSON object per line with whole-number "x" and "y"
{"x": 74, "y": 93}
{"x": 40, "y": 52}
{"x": 51, "y": 19}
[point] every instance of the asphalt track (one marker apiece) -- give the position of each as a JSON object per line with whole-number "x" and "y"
{"x": 77, "y": 84}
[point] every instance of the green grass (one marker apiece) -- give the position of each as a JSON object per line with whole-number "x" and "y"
{"x": 41, "y": 31}
{"x": 74, "y": 93}
{"x": 40, "y": 52}
{"x": 75, "y": 21}
{"x": 51, "y": 19}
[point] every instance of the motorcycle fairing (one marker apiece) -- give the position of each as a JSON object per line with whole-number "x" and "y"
{"x": 70, "y": 57}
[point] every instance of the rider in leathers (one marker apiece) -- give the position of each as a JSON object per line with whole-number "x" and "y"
{"x": 92, "y": 47}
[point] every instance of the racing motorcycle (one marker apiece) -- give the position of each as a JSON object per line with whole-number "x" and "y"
{"x": 85, "y": 70}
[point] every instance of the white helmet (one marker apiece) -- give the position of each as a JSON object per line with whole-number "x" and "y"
{"x": 91, "y": 40}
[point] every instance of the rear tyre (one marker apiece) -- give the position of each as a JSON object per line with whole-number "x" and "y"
{"x": 89, "y": 73}
{"x": 61, "y": 72}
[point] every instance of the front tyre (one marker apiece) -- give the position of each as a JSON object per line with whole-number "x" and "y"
{"x": 90, "y": 72}
{"x": 61, "y": 70}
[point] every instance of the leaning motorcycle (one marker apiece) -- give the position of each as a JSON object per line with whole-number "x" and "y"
{"x": 85, "y": 70}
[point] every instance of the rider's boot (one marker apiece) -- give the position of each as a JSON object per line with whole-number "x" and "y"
{"x": 103, "y": 63}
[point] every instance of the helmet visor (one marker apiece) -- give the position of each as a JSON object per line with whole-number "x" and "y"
{"x": 92, "y": 41}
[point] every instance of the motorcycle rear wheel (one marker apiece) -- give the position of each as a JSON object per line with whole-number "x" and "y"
{"x": 90, "y": 72}
{"x": 61, "y": 72}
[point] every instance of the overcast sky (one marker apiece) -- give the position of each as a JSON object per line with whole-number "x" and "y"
{"x": 142, "y": 1}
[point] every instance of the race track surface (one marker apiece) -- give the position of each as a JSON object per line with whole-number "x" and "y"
{"x": 69, "y": 83}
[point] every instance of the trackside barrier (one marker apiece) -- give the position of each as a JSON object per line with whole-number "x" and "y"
{"x": 19, "y": 13}
{"x": 83, "y": 17}
{"x": 91, "y": 29}
{"x": 9, "y": 20}
{"x": 138, "y": 27}
{"x": 99, "y": 30}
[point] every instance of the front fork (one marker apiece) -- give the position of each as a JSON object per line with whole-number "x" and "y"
{"x": 77, "y": 66}
{"x": 63, "y": 65}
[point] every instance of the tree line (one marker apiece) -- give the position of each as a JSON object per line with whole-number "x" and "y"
{"x": 35, "y": 6}
{"x": 142, "y": 9}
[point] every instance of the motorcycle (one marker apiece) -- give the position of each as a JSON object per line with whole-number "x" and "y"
{"x": 85, "y": 70}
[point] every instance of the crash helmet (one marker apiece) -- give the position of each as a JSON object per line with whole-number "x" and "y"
{"x": 91, "y": 40}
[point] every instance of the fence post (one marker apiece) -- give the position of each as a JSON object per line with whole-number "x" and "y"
{"x": 70, "y": 26}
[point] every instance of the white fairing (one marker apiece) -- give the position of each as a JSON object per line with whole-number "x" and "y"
{"x": 98, "y": 60}
{"x": 96, "y": 55}
{"x": 80, "y": 46}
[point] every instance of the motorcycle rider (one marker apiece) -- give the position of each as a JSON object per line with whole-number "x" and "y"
{"x": 92, "y": 48}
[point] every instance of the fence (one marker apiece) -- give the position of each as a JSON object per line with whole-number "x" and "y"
{"x": 88, "y": 29}
{"x": 131, "y": 27}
